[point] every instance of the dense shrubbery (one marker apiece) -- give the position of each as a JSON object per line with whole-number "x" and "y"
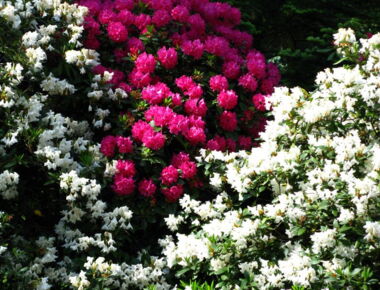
{"x": 103, "y": 111}
{"x": 194, "y": 79}
{"x": 299, "y": 32}
{"x": 306, "y": 209}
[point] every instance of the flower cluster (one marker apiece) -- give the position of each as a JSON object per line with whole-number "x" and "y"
{"x": 189, "y": 87}
{"x": 51, "y": 180}
{"x": 306, "y": 212}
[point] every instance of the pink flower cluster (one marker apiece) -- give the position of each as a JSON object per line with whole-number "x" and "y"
{"x": 200, "y": 87}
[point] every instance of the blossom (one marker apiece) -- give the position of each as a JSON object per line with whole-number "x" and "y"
{"x": 256, "y": 64}
{"x": 117, "y": 32}
{"x": 139, "y": 79}
{"x": 188, "y": 169}
{"x": 180, "y": 13}
{"x": 245, "y": 142}
{"x": 167, "y": 57}
{"x": 218, "y": 83}
{"x": 107, "y": 146}
{"x": 124, "y": 144}
{"x": 142, "y": 21}
{"x": 147, "y": 187}
{"x": 227, "y": 99}
{"x": 139, "y": 129}
{"x": 258, "y": 101}
{"x": 123, "y": 185}
{"x": 169, "y": 175}
{"x": 196, "y": 107}
{"x": 126, "y": 168}
{"x": 173, "y": 193}
{"x": 228, "y": 121}
{"x": 161, "y": 18}
{"x": 106, "y": 16}
{"x": 154, "y": 140}
{"x": 195, "y": 135}
{"x": 185, "y": 83}
{"x": 248, "y": 82}
{"x": 180, "y": 158}
{"x": 145, "y": 63}
{"x": 193, "y": 48}
{"x": 231, "y": 69}
{"x": 155, "y": 94}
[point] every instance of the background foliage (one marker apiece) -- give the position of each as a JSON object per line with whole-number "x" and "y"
{"x": 300, "y": 31}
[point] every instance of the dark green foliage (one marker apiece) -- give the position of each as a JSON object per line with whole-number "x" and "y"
{"x": 300, "y": 31}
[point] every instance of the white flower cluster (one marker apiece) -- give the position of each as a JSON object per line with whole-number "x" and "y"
{"x": 55, "y": 86}
{"x": 309, "y": 196}
{"x": 82, "y": 58}
{"x": 121, "y": 276}
{"x": 8, "y": 184}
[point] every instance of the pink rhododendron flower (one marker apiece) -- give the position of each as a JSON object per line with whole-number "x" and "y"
{"x": 188, "y": 169}
{"x": 196, "y": 107}
{"x": 126, "y": 17}
{"x": 216, "y": 45}
{"x": 178, "y": 124}
{"x": 160, "y": 115}
{"x": 125, "y": 87}
{"x": 126, "y": 168}
{"x": 155, "y": 94}
{"x": 180, "y": 158}
{"x": 139, "y": 79}
{"x": 245, "y": 143}
{"x": 135, "y": 45}
{"x": 228, "y": 121}
{"x": 180, "y": 13}
{"x": 217, "y": 143}
{"x": 123, "y": 185}
{"x": 93, "y": 6}
{"x": 145, "y": 63}
{"x": 123, "y": 4}
{"x": 169, "y": 175}
{"x": 154, "y": 140}
{"x": 147, "y": 187}
{"x": 194, "y": 92}
{"x": 185, "y": 83}
{"x": 92, "y": 26}
{"x": 193, "y": 48}
{"x": 259, "y": 102}
{"x": 267, "y": 86}
{"x": 197, "y": 23}
{"x": 227, "y": 99}
{"x": 273, "y": 73}
{"x": 161, "y": 18}
{"x": 176, "y": 99}
{"x": 173, "y": 193}
{"x": 195, "y": 135}
{"x": 139, "y": 129}
{"x": 91, "y": 42}
{"x": 117, "y": 32}
{"x": 167, "y": 57}
{"x": 248, "y": 82}
{"x": 124, "y": 144}
{"x": 142, "y": 21}
{"x": 106, "y": 15}
{"x": 231, "y": 145}
{"x": 256, "y": 64}
{"x": 107, "y": 146}
{"x": 231, "y": 69}
{"x": 176, "y": 104}
{"x": 218, "y": 83}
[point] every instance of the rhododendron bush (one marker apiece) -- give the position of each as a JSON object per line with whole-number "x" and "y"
{"x": 305, "y": 213}
{"x": 193, "y": 80}
{"x": 104, "y": 106}
{"x": 131, "y": 154}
